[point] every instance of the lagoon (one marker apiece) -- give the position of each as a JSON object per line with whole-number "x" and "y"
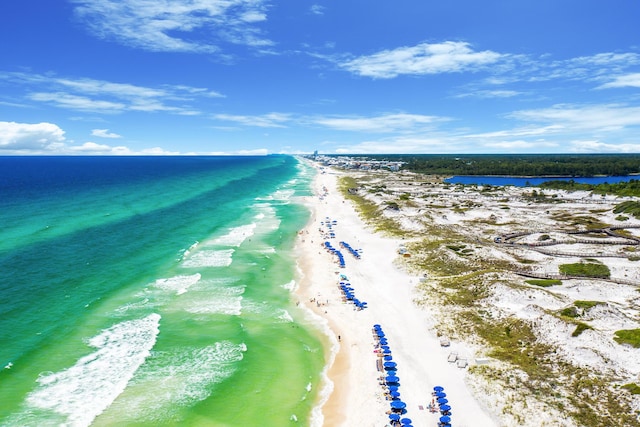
{"x": 533, "y": 181}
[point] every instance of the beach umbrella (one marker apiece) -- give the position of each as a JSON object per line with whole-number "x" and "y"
{"x": 398, "y": 404}
{"x": 388, "y": 358}
{"x": 389, "y": 365}
{"x": 445, "y": 420}
{"x": 442, "y": 400}
{"x": 441, "y": 394}
{"x": 405, "y": 421}
{"x": 438, "y": 388}
{"x": 392, "y": 388}
{"x": 392, "y": 379}
{"x": 394, "y": 394}
{"x": 445, "y": 408}
{"x": 394, "y": 417}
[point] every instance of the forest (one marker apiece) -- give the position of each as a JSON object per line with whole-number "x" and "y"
{"x": 566, "y": 165}
{"x": 629, "y": 188}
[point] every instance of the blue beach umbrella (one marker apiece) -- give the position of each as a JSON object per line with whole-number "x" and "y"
{"x": 392, "y": 388}
{"x": 445, "y": 420}
{"x": 445, "y": 408}
{"x": 442, "y": 400}
{"x": 441, "y": 394}
{"x": 394, "y": 394}
{"x": 392, "y": 379}
{"x": 405, "y": 421}
{"x": 390, "y": 365}
{"x": 398, "y": 404}
{"x": 394, "y": 417}
{"x": 438, "y": 388}
{"x": 388, "y": 358}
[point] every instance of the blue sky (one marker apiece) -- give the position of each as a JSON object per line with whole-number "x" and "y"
{"x": 337, "y": 76}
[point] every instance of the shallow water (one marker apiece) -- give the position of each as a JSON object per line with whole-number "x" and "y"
{"x": 153, "y": 291}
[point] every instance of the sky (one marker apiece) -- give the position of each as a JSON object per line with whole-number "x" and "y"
{"x": 254, "y": 77}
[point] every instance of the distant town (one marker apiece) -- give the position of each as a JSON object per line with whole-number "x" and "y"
{"x": 361, "y": 163}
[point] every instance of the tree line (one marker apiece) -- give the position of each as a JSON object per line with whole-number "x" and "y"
{"x": 566, "y": 165}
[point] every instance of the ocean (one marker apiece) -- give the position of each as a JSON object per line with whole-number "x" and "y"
{"x": 154, "y": 291}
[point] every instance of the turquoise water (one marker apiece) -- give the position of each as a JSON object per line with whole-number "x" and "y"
{"x": 153, "y": 291}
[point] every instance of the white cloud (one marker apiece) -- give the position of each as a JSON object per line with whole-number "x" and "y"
{"x": 75, "y": 102}
{"x": 408, "y": 145}
{"x": 627, "y": 80}
{"x": 104, "y": 133}
{"x": 583, "y": 117}
{"x": 519, "y": 145}
{"x": 424, "y": 58}
{"x": 156, "y": 25}
{"x": 94, "y": 149}
{"x": 271, "y": 120}
{"x": 255, "y": 152}
{"x": 109, "y": 97}
{"x": 384, "y": 123}
{"x": 591, "y": 146}
{"x": 519, "y": 132}
{"x": 487, "y": 94}
{"x": 317, "y": 9}
{"x": 17, "y": 137}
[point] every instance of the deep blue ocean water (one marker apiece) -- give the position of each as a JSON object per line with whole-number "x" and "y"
{"x": 153, "y": 291}
{"x": 532, "y": 181}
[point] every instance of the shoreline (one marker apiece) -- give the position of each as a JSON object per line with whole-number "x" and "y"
{"x": 351, "y": 394}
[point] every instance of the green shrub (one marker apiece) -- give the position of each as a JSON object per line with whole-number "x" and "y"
{"x": 545, "y": 283}
{"x": 633, "y": 388}
{"x": 585, "y": 305}
{"x": 580, "y": 328}
{"x": 570, "y": 312}
{"x": 586, "y": 269}
{"x": 628, "y": 336}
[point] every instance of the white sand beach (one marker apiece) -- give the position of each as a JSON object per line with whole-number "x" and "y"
{"x": 358, "y": 397}
{"x": 581, "y": 378}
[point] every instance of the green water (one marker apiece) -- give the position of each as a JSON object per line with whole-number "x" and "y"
{"x": 156, "y": 293}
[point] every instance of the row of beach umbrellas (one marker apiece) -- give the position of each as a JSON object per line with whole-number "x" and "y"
{"x": 443, "y": 403}
{"x": 335, "y": 252}
{"x": 348, "y": 293}
{"x": 391, "y": 379}
{"x": 348, "y": 247}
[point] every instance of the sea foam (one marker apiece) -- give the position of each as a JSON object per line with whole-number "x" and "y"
{"x": 178, "y": 284}
{"x": 83, "y": 391}
{"x": 236, "y": 236}
{"x": 178, "y": 379}
{"x": 209, "y": 258}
